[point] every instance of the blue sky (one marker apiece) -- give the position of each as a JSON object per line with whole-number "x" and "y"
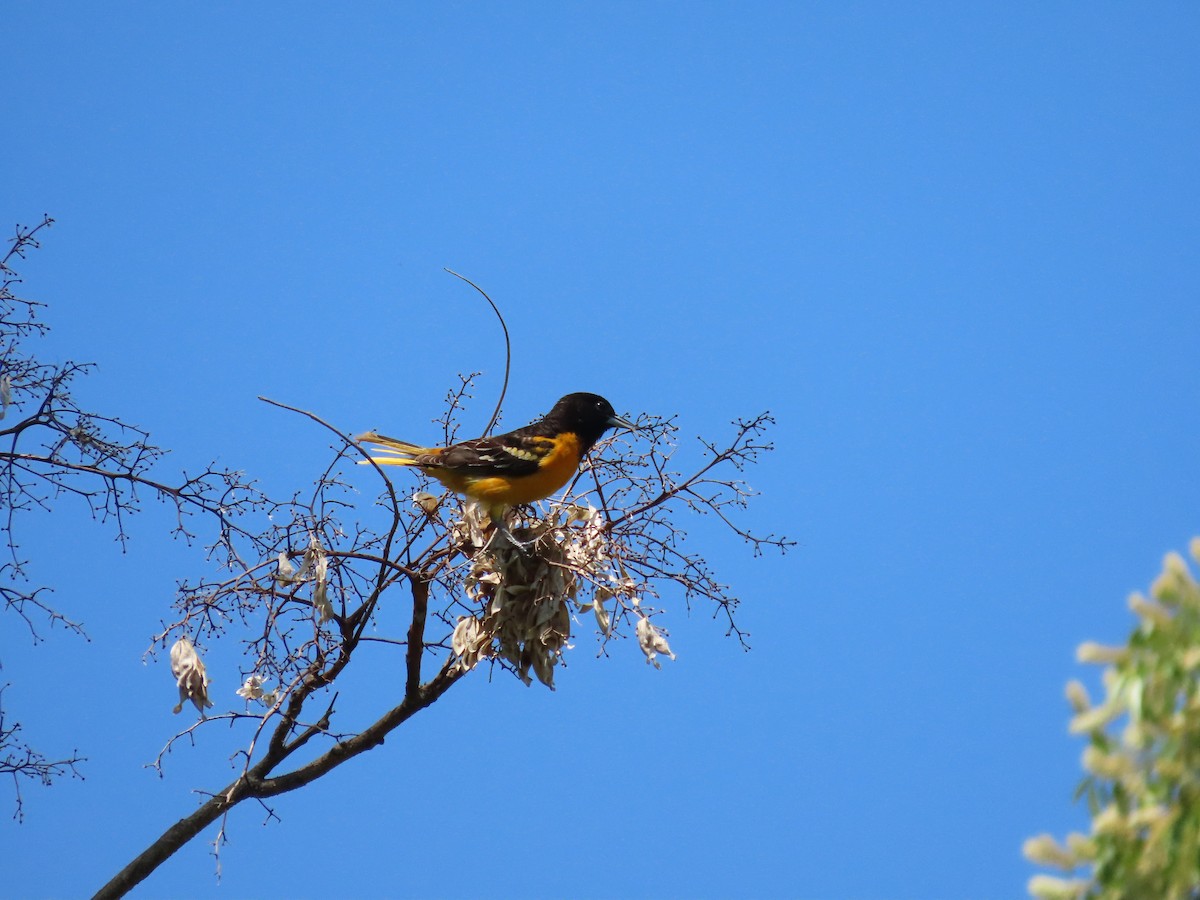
{"x": 952, "y": 248}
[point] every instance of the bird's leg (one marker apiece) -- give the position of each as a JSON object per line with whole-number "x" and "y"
{"x": 522, "y": 546}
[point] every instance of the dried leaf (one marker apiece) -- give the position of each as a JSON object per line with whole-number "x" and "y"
{"x": 190, "y": 676}
{"x": 321, "y": 602}
{"x": 286, "y": 572}
{"x": 602, "y": 618}
{"x": 652, "y": 642}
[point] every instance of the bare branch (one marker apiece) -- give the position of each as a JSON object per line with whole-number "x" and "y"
{"x": 23, "y": 763}
{"x": 55, "y": 453}
{"x": 326, "y": 583}
{"x": 507, "y": 351}
{"x": 611, "y": 546}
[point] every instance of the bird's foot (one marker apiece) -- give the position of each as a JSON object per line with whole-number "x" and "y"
{"x": 522, "y": 547}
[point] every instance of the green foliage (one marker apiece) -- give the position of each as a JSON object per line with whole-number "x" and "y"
{"x": 1142, "y": 759}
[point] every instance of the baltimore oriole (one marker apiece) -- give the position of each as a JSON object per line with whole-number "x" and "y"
{"x": 522, "y": 466}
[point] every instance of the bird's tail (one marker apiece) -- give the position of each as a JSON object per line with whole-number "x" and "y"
{"x": 392, "y": 452}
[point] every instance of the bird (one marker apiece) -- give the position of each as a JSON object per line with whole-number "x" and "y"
{"x": 522, "y": 466}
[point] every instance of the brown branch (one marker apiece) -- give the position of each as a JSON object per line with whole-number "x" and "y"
{"x": 416, "y": 636}
{"x": 256, "y": 784}
{"x": 625, "y": 557}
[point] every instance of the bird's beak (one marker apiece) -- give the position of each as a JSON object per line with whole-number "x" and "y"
{"x": 618, "y": 422}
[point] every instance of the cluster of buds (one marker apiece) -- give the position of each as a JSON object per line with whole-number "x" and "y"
{"x": 1139, "y": 754}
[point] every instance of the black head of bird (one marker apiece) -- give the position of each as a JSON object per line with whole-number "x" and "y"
{"x": 588, "y": 416}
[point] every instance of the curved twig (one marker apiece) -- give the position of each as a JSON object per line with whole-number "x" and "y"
{"x": 507, "y": 349}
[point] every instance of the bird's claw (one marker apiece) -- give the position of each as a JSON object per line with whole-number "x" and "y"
{"x": 522, "y": 547}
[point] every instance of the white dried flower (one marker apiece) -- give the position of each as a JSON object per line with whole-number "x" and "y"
{"x": 652, "y": 642}
{"x": 189, "y": 675}
{"x": 286, "y": 573}
{"x": 1082, "y": 846}
{"x": 1134, "y": 736}
{"x": 251, "y": 688}
{"x": 1109, "y": 821}
{"x": 1149, "y": 611}
{"x": 1095, "y": 719}
{"x": 1046, "y": 851}
{"x": 1148, "y": 816}
{"x": 628, "y": 588}
{"x": 1113, "y": 766}
{"x": 1047, "y": 887}
{"x": 1174, "y": 564}
{"x": 1091, "y": 652}
{"x": 1077, "y": 696}
{"x": 1175, "y": 585}
{"x": 586, "y": 548}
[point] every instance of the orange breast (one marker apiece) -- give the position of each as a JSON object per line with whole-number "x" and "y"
{"x": 556, "y": 470}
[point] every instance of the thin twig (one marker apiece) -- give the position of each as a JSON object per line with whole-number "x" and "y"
{"x": 507, "y": 350}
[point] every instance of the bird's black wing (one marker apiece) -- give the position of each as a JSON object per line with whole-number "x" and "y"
{"x": 510, "y": 455}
